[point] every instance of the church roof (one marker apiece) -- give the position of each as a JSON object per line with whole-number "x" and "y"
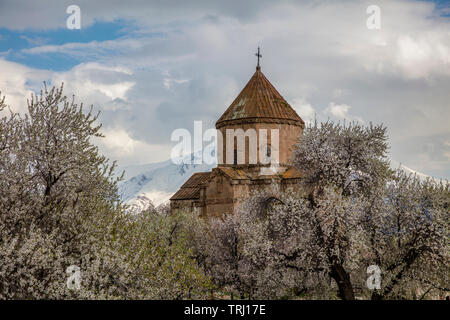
{"x": 259, "y": 101}
{"x": 235, "y": 174}
{"x": 246, "y": 174}
{"x": 292, "y": 173}
{"x": 191, "y": 188}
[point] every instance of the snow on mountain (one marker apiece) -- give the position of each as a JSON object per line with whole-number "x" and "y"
{"x": 421, "y": 176}
{"x": 140, "y": 203}
{"x": 154, "y": 184}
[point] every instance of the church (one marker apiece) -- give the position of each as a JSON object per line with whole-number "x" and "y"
{"x": 263, "y": 161}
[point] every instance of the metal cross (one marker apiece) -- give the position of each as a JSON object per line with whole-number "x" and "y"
{"x": 259, "y": 56}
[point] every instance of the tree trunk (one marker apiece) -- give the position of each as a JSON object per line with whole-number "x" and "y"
{"x": 342, "y": 279}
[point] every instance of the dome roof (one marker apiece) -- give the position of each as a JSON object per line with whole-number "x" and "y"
{"x": 259, "y": 102}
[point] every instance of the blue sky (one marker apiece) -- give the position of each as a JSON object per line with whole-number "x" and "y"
{"x": 153, "y": 66}
{"x": 13, "y": 41}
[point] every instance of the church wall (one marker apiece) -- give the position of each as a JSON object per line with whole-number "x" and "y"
{"x": 269, "y": 187}
{"x": 219, "y": 196}
{"x": 186, "y": 206}
{"x": 223, "y": 196}
{"x": 288, "y": 138}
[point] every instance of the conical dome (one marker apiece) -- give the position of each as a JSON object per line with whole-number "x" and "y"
{"x": 259, "y": 101}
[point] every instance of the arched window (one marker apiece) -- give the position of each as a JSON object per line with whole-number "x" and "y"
{"x": 270, "y": 203}
{"x": 235, "y": 157}
{"x": 268, "y": 153}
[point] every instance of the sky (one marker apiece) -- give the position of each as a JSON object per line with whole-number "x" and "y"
{"x": 151, "y": 67}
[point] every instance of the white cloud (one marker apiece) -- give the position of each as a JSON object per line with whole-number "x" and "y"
{"x": 423, "y": 56}
{"x": 168, "y": 81}
{"x": 304, "y": 109}
{"x": 341, "y": 112}
{"x": 113, "y": 91}
{"x": 119, "y": 145}
{"x": 338, "y": 110}
{"x": 104, "y": 86}
{"x": 17, "y": 82}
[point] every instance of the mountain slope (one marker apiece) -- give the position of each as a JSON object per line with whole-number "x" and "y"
{"x": 421, "y": 176}
{"x": 157, "y": 182}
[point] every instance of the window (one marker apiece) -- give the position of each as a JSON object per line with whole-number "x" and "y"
{"x": 268, "y": 153}
{"x": 235, "y": 156}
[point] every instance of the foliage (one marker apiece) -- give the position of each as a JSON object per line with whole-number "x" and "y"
{"x": 352, "y": 211}
{"x": 59, "y": 207}
{"x": 159, "y": 246}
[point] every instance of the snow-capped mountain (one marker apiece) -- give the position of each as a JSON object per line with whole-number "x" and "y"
{"x": 421, "y": 176}
{"x": 140, "y": 203}
{"x": 154, "y": 184}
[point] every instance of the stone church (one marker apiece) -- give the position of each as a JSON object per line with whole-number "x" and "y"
{"x": 258, "y": 106}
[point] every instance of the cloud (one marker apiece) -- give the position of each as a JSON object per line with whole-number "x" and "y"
{"x": 51, "y": 14}
{"x": 304, "y": 109}
{"x": 341, "y": 112}
{"x": 104, "y": 86}
{"x": 18, "y": 82}
{"x": 34, "y": 41}
{"x": 424, "y": 55}
{"x": 188, "y": 62}
{"x": 119, "y": 145}
{"x": 92, "y": 49}
{"x": 338, "y": 110}
{"x": 432, "y": 154}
